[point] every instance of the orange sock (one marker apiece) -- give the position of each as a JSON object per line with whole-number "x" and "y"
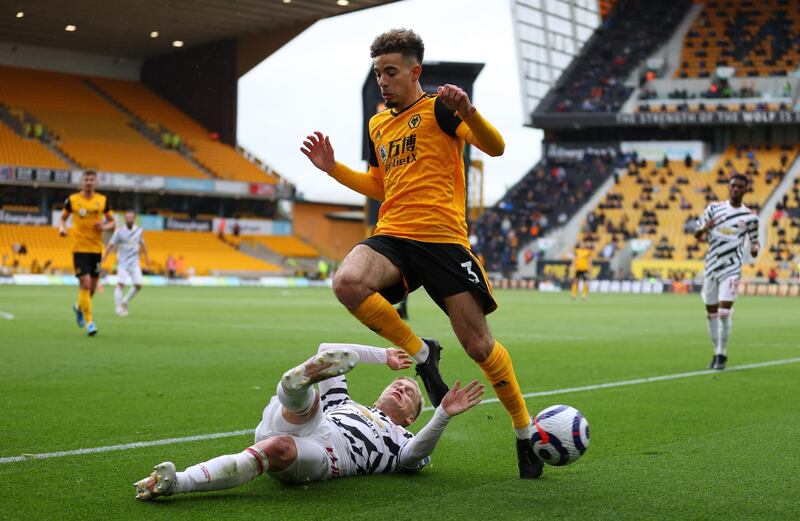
{"x": 85, "y": 304}
{"x": 377, "y": 314}
{"x": 574, "y": 288}
{"x": 500, "y": 373}
{"x": 585, "y": 289}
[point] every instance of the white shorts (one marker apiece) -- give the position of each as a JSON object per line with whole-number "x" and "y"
{"x": 725, "y": 290}
{"x": 132, "y": 276}
{"x": 312, "y": 439}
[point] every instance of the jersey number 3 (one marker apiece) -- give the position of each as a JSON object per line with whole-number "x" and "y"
{"x": 472, "y": 275}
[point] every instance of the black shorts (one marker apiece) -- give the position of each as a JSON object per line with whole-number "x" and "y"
{"x": 583, "y": 275}
{"x": 86, "y": 263}
{"x": 443, "y": 269}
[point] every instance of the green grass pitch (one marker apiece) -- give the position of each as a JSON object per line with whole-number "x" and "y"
{"x": 192, "y": 361}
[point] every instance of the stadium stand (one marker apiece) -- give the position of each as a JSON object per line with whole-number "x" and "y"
{"x": 16, "y": 150}
{"x": 661, "y": 202}
{"x": 97, "y": 134}
{"x": 285, "y": 245}
{"x": 44, "y": 248}
{"x": 221, "y": 159}
{"x": 546, "y": 197}
{"x": 86, "y": 127}
{"x": 595, "y": 81}
{"x": 200, "y": 253}
{"x": 756, "y": 38}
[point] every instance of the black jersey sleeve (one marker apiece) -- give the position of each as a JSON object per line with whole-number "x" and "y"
{"x": 447, "y": 119}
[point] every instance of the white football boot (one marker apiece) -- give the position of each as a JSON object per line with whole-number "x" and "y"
{"x": 161, "y": 482}
{"x": 330, "y": 363}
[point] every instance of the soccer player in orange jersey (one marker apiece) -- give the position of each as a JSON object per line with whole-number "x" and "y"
{"x": 88, "y": 208}
{"x": 582, "y": 263}
{"x": 416, "y": 169}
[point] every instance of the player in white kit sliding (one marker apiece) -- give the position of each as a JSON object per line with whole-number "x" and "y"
{"x": 726, "y": 224}
{"x": 309, "y": 435}
{"x": 129, "y": 243}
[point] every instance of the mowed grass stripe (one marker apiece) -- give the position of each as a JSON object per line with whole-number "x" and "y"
{"x": 211, "y": 436}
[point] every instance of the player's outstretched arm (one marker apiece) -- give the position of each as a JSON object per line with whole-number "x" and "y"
{"x": 459, "y": 400}
{"x": 414, "y": 453}
{"x": 318, "y": 149}
{"x": 395, "y": 359}
{"x": 478, "y": 131}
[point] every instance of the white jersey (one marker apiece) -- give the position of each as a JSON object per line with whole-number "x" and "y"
{"x": 726, "y": 239}
{"x": 365, "y": 440}
{"x": 130, "y": 241}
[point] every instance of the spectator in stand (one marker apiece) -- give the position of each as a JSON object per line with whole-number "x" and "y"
{"x": 773, "y": 275}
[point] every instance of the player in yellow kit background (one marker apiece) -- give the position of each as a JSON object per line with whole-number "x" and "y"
{"x": 581, "y": 264}
{"x": 416, "y": 169}
{"x": 88, "y": 209}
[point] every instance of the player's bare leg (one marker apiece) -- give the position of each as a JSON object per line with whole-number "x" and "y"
{"x": 470, "y": 326}
{"x": 356, "y": 283}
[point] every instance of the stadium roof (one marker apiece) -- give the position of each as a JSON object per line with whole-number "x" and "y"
{"x": 123, "y": 27}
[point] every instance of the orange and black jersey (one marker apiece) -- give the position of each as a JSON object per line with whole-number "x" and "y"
{"x": 583, "y": 259}
{"x": 417, "y": 155}
{"x": 85, "y": 237}
{"x": 417, "y": 170}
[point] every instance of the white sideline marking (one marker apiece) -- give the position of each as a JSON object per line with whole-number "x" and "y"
{"x": 212, "y": 436}
{"x": 7, "y": 316}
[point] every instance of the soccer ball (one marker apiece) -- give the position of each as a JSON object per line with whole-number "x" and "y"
{"x": 561, "y": 435}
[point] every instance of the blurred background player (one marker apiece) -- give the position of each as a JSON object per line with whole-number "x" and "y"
{"x": 416, "y": 169}
{"x": 296, "y": 442}
{"x": 128, "y": 242}
{"x": 725, "y": 225}
{"x": 581, "y": 265}
{"x": 88, "y": 209}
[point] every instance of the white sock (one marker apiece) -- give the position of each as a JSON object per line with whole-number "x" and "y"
{"x": 525, "y": 433}
{"x": 713, "y": 331}
{"x": 298, "y": 402}
{"x": 118, "y": 297}
{"x": 131, "y": 293}
{"x": 725, "y": 327}
{"x": 223, "y": 472}
{"x": 422, "y": 354}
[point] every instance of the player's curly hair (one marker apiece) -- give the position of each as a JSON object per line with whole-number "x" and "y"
{"x": 405, "y": 41}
